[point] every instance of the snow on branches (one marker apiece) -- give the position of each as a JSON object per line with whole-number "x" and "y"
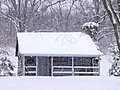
{"x": 90, "y": 25}
{"x": 91, "y": 29}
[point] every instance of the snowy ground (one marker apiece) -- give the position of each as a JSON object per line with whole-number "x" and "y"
{"x": 60, "y": 83}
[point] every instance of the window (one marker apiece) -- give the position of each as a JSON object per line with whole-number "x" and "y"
{"x": 62, "y": 61}
{"x": 62, "y": 74}
{"x": 30, "y": 61}
{"x": 62, "y": 66}
{"x": 30, "y": 74}
{"x": 82, "y": 61}
{"x": 30, "y": 66}
{"x": 86, "y": 66}
{"x": 27, "y": 69}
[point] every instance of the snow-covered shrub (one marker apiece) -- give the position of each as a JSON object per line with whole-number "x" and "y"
{"x": 6, "y": 66}
{"x": 115, "y": 68}
{"x": 91, "y": 29}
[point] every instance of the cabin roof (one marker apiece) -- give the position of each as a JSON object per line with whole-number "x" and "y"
{"x": 56, "y": 44}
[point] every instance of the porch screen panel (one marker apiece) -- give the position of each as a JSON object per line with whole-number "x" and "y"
{"x": 30, "y": 61}
{"x": 82, "y": 61}
{"x": 62, "y": 66}
{"x": 30, "y": 65}
{"x": 86, "y": 66}
{"x": 62, "y": 61}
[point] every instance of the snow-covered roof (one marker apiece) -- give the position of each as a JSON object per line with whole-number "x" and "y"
{"x": 57, "y": 44}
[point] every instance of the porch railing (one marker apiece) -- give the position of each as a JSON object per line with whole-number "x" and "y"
{"x": 31, "y": 70}
{"x": 75, "y": 70}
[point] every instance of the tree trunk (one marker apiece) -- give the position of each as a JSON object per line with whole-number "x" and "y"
{"x": 19, "y": 16}
{"x": 113, "y": 18}
{"x": 24, "y": 16}
{"x": 118, "y": 1}
{"x": 96, "y": 2}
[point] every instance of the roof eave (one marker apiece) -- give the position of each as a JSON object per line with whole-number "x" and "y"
{"x": 63, "y": 55}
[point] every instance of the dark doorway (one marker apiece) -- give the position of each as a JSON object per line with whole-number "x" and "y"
{"x": 44, "y": 66}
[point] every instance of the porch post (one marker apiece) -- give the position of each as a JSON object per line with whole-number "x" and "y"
{"x": 36, "y": 66}
{"x": 23, "y": 65}
{"x": 72, "y": 66}
{"x": 99, "y": 65}
{"x": 51, "y": 66}
{"x": 93, "y": 64}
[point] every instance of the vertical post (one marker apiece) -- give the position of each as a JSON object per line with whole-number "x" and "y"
{"x": 51, "y": 66}
{"x": 72, "y": 66}
{"x": 23, "y": 65}
{"x": 99, "y": 66}
{"x": 93, "y": 65}
{"x": 36, "y": 65}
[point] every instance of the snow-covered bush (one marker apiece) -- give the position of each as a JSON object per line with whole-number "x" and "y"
{"x": 91, "y": 29}
{"x": 115, "y": 68}
{"x": 6, "y": 66}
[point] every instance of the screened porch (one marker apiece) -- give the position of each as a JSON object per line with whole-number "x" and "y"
{"x": 60, "y": 66}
